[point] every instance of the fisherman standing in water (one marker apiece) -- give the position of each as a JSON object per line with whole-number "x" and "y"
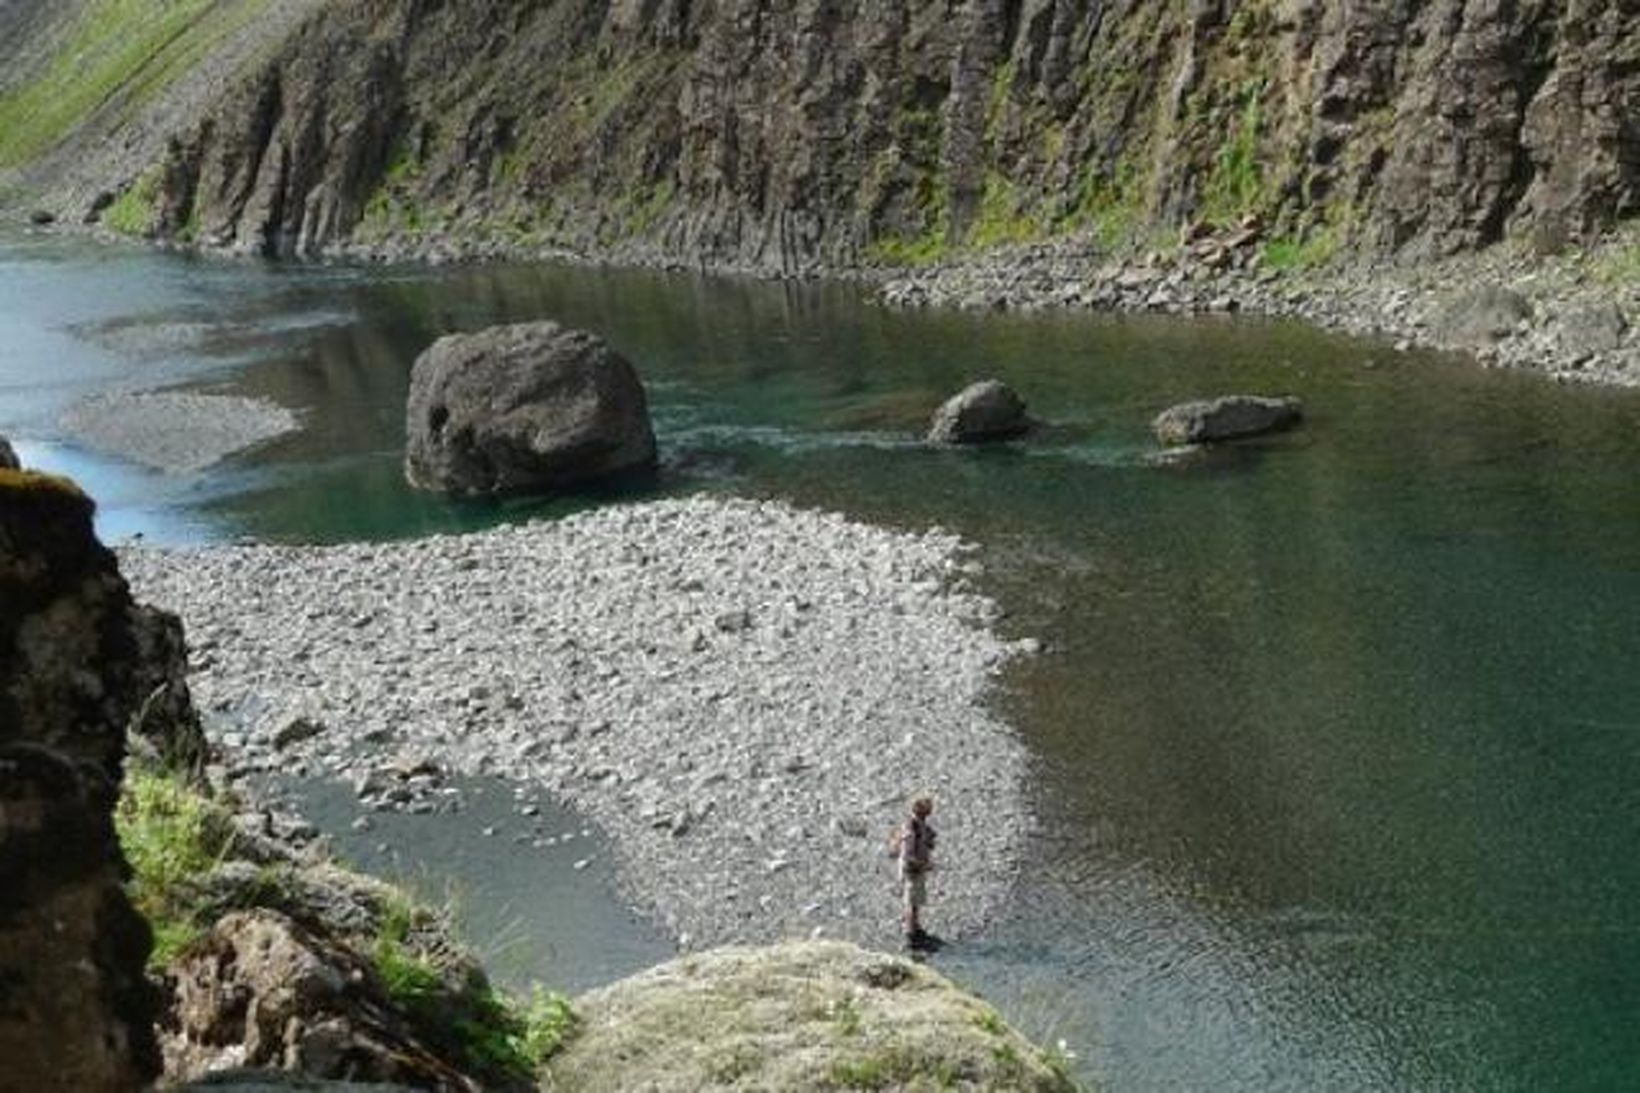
{"x": 916, "y": 847}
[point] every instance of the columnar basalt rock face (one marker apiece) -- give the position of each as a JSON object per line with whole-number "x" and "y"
{"x": 75, "y": 1008}
{"x": 787, "y": 136}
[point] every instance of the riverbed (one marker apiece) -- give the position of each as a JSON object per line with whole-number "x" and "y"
{"x": 1332, "y": 738}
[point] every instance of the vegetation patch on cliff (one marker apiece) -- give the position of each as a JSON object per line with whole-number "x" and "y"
{"x": 171, "y": 835}
{"x": 191, "y": 867}
{"x": 488, "y": 1031}
{"x": 124, "y": 50}
{"x": 133, "y": 212}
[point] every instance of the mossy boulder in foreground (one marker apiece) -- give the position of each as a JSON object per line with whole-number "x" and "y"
{"x": 812, "y": 1015}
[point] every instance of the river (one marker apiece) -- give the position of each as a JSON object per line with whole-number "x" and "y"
{"x": 1336, "y": 736}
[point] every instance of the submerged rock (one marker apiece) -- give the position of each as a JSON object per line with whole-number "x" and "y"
{"x": 814, "y": 1015}
{"x": 528, "y": 408}
{"x": 984, "y": 411}
{"x": 1226, "y": 418}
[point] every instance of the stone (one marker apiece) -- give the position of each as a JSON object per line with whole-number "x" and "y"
{"x": 1226, "y": 419}
{"x": 1598, "y": 328}
{"x": 734, "y": 622}
{"x": 1483, "y": 316}
{"x": 296, "y": 731}
{"x": 262, "y": 990}
{"x": 98, "y": 205}
{"x": 348, "y": 907}
{"x": 76, "y": 1010}
{"x": 527, "y": 408}
{"x": 986, "y": 411}
{"x": 8, "y": 457}
{"x": 166, "y": 724}
{"x": 42, "y": 218}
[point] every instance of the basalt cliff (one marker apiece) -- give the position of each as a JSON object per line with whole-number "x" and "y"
{"x": 797, "y": 135}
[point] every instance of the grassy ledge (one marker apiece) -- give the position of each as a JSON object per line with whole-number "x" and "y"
{"x": 174, "y": 836}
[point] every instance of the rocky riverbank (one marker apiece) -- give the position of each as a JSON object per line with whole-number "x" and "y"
{"x": 742, "y": 694}
{"x": 1568, "y": 316}
{"x": 1572, "y": 315}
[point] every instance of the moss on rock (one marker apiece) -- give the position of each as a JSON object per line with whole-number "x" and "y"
{"x": 811, "y": 1015}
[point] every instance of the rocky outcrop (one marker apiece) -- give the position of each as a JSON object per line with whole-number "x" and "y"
{"x": 8, "y": 457}
{"x": 789, "y": 136}
{"x": 75, "y": 1009}
{"x": 529, "y": 408}
{"x": 818, "y": 1015}
{"x": 981, "y": 412}
{"x": 1226, "y": 418}
{"x": 165, "y": 724}
{"x": 284, "y": 962}
{"x": 261, "y": 990}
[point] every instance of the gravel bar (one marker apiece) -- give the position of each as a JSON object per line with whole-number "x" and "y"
{"x": 742, "y": 693}
{"x": 177, "y": 432}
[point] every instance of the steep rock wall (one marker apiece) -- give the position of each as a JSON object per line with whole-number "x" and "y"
{"x": 75, "y": 1008}
{"x": 792, "y": 134}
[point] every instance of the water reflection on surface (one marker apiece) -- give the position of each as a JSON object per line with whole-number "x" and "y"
{"x": 1336, "y": 735}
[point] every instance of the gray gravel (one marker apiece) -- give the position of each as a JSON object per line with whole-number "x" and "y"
{"x": 178, "y": 432}
{"x": 741, "y": 693}
{"x": 1585, "y": 304}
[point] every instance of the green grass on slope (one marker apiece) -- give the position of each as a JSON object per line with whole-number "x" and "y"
{"x": 171, "y": 836}
{"x": 130, "y": 47}
{"x": 174, "y": 836}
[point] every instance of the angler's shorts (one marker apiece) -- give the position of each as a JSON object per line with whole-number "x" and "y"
{"x": 916, "y": 890}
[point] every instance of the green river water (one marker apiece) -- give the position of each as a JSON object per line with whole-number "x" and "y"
{"x": 1336, "y": 737}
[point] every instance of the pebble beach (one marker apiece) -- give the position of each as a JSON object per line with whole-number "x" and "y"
{"x": 742, "y": 694}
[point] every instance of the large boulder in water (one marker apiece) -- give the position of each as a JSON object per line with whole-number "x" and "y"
{"x": 1226, "y": 418}
{"x": 528, "y": 408}
{"x": 984, "y": 411}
